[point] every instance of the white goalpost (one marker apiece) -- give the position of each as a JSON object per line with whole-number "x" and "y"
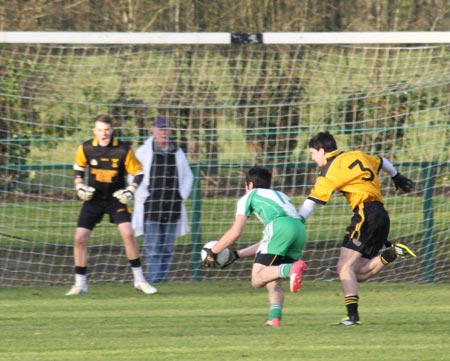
{"x": 235, "y": 99}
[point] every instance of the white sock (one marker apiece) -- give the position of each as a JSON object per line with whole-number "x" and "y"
{"x": 80, "y": 280}
{"x": 138, "y": 274}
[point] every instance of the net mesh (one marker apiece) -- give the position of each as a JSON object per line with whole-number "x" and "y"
{"x": 232, "y": 106}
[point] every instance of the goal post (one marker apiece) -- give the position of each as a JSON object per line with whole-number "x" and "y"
{"x": 235, "y": 99}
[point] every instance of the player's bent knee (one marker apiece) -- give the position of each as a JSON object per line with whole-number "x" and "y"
{"x": 257, "y": 284}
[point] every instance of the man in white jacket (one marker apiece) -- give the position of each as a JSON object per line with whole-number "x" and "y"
{"x": 159, "y": 210}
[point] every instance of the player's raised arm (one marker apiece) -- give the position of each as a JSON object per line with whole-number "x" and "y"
{"x": 400, "y": 181}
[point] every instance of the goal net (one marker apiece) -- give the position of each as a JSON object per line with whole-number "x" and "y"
{"x": 235, "y": 100}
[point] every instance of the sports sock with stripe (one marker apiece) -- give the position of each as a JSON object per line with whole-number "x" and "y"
{"x": 351, "y": 302}
{"x": 284, "y": 270}
{"x": 275, "y": 310}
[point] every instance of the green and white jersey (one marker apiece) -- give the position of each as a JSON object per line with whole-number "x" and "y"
{"x": 284, "y": 234}
{"x": 267, "y": 205}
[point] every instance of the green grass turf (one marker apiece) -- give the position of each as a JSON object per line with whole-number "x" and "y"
{"x": 223, "y": 321}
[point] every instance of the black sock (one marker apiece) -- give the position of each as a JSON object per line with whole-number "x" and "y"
{"x": 135, "y": 263}
{"x": 80, "y": 270}
{"x": 351, "y": 302}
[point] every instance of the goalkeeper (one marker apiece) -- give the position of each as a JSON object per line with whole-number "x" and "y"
{"x": 106, "y": 161}
{"x": 355, "y": 174}
{"x": 278, "y": 253}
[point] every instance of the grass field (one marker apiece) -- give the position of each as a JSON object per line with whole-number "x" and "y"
{"x": 223, "y": 321}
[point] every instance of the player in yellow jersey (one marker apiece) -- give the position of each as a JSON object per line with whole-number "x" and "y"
{"x": 355, "y": 174}
{"x": 106, "y": 160}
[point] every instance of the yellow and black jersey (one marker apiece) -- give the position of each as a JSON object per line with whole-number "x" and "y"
{"x": 354, "y": 173}
{"x": 106, "y": 166}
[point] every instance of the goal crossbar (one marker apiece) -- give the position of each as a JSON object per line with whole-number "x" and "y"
{"x": 205, "y": 38}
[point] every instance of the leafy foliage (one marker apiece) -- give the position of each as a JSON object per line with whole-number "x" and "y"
{"x": 376, "y": 119}
{"x": 14, "y": 135}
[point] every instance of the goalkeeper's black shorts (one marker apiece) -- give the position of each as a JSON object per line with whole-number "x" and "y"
{"x": 92, "y": 212}
{"x": 368, "y": 230}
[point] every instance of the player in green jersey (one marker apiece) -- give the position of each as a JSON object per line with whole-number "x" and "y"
{"x": 279, "y": 251}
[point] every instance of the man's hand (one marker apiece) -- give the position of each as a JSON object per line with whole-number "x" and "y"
{"x": 210, "y": 260}
{"x": 405, "y": 184}
{"x": 125, "y": 196}
{"x": 232, "y": 257}
{"x": 84, "y": 192}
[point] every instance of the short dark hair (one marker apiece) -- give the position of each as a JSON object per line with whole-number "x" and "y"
{"x": 323, "y": 140}
{"x": 107, "y": 119}
{"x": 260, "y": 176}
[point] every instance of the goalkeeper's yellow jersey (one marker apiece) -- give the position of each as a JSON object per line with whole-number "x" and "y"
{"x": 107, "y": 166}
{"x": 354, "y": 173}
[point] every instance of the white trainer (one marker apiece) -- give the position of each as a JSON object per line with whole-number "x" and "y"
{"x": 145, "y": 287}
{"x": 77, "y": 290}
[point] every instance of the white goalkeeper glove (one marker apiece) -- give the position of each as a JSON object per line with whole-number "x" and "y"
{"x": 125, "y": 196}
{"x": 84, "y": 192}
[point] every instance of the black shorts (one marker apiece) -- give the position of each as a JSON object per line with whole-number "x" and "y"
{"x": 267, "y": 259}
{"x": 368, "y": 230}
{"x": 92, "y": 212}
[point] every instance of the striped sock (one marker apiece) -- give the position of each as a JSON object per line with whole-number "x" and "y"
{"x": 284, "y": 270}
{"x": 275, "y": 311}
{"x": 351, "y": 302}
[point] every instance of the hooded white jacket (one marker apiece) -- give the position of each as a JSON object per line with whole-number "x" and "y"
{"x": 185, "y": 180}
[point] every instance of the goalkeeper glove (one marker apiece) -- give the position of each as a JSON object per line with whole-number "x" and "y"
{"x": 84, "y": 192}
{"x": 405, "y": 184}
{"x": 210, "y": 260}
{"x": 232, "y": 257}
{"x": 125, "y": 196}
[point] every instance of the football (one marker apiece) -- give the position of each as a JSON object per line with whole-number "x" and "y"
{"x": 222, "y": 257}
